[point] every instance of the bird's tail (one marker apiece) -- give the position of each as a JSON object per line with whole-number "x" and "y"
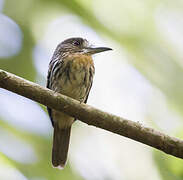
{"x": 61, "y": 140}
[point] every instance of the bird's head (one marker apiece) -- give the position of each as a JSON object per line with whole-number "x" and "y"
{"x": 79, "y": 45}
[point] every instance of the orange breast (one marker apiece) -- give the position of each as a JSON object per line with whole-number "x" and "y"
{"x": 81, "y": 60}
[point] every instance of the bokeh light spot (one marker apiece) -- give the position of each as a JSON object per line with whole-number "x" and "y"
{"x": 10, "y": 37}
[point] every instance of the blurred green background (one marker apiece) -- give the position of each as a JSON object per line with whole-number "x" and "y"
{"x": 141, "y": 79}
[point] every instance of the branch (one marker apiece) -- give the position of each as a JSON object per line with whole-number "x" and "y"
{"x": 92, "y": 116}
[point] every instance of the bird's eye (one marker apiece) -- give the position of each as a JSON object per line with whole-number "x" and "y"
{"x": 77, "y": 43}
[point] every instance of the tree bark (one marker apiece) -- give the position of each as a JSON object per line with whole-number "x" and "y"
{"x": 91, "y": 115}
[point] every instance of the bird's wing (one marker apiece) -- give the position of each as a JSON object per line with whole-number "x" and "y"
{"x": 92, "y": 72}
{"x": 49, "y": 87}
{"x": 89, "y": 88}
{"x": 54, "y": 66}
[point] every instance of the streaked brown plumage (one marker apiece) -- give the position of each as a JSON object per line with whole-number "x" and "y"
{"x": 71, "y": 71}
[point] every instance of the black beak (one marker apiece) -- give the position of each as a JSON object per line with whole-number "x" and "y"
{"x": 93, "y": 50}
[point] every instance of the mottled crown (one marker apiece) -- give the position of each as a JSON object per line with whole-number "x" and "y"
{"x": 73, "y": 44}
{"x": 74, "y": 41}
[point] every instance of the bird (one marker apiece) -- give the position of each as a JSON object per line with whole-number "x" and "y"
{"x": 70, "y": 73}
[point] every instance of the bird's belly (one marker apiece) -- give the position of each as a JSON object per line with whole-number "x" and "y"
{"x": 74, "y": 84}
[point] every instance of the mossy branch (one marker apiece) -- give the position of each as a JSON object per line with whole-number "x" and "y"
{"x": 91, "y": 115}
